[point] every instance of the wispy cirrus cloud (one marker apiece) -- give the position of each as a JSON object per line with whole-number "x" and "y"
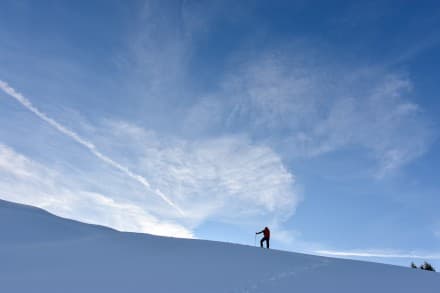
{"x": 380, "y": 254}
{"x": 306, "y": 109}
{"x": 87, "y": 144}
{"x": 228, "y": 178}
{"x": 291, "y": 96}
{"x": 25, "y": 181}
{"x": 223, "y": 159}
{"x": 225, "y": 179}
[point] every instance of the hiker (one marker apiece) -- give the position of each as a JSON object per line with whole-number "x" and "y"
{"x": 266, "y": 234}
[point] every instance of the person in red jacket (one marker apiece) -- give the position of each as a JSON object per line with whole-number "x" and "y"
{"x": 266, "y": 236}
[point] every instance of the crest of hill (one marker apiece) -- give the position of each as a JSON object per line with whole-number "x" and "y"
{"x": 41, "y": 252}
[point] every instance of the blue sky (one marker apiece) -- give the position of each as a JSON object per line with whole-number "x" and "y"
{"x": 214, "y": 119}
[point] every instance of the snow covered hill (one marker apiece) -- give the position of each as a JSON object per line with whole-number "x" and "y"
{"x": 40, "y": 252}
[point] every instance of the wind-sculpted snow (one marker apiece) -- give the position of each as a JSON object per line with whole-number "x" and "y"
{"x": 40, "y": 252}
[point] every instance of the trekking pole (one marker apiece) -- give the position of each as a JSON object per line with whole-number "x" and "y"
{"x": 255, "y": 240}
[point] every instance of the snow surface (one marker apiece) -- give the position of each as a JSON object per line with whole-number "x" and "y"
{"x": 40, "y": 252}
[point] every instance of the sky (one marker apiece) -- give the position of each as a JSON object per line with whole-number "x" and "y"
{"x": 213, "y": 119}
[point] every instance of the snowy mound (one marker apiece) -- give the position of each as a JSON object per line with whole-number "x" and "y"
{"x": 40, "y": 252}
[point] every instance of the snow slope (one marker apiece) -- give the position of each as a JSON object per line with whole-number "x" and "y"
{"x": 40, "y": 252}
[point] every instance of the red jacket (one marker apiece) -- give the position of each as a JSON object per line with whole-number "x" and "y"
{"x": 266, "y": 233}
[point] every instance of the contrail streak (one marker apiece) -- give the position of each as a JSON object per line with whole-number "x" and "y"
{"x": 90, "y": 146}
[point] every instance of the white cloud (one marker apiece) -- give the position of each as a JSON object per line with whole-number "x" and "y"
{"x": 85, "y": 143}
{"x": 293, "y": 97}
{"x": 379, "y": 254}
{"x": 227, "y": 177}
{"x": 26, "y": 181}
{"x": 15, "y": 164}
{"x": 306, "y": 109}
{"x": 279, "y": 99}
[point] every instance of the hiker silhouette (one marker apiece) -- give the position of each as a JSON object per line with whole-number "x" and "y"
{"x": 266, "y": 236}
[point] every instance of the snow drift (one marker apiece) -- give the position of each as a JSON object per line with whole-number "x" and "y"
{"x": 40, "y": 252}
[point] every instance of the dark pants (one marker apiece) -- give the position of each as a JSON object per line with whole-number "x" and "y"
{"x": 267, "y": 242}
